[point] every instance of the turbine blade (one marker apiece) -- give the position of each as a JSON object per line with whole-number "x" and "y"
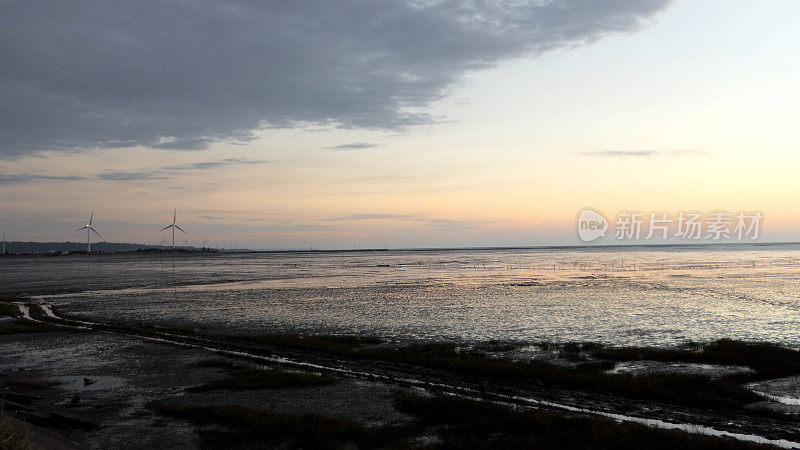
{"x": 91, "y": 217}
{"x": 174, "y": 215}
{"x": 180, "y": 228}
{"x": 166, "y": 227}
{"x": 81, "y": 228}
{"x": 95, "y": 231}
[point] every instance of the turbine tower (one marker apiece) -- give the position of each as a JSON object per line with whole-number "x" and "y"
{"x": 89, "y": 230}
{"x": 173, "y": 225}
{"x": 4, "y": 243}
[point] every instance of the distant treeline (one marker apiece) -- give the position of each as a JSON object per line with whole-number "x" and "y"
{"x": 58, "y": 247}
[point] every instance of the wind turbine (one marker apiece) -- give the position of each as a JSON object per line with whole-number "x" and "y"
{"x": 186, "y": 241}
{"x": 173, "y": 225}
{"x": 89, "y": 229}
{"x": 163, "y": 241}
{"x": 4, "y": 242}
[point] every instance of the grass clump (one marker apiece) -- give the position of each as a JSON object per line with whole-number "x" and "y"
{"x": 767, "y": 360}
{"x": 250, "y": 427}
{"x": 26, "y": 326}
{"x": 335, "y": 345}
{"x": 9, "y": 309}
{"x": 689, "y": 390}
{"x": 32, "y": 384}
{"x": 588, "y": 372}
{"x": 478, "y": 365}
{"x": 455, "y": 422}
{"x": 12, "y": 435}
{"x": 149, "y": 327}
{"x": 464, "y": 423}
{"x": 243, "y": 377}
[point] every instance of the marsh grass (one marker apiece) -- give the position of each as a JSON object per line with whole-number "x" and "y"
{"x": 338, "y": 345}
{"x": 464, "y": 423}
{"x": 32, "y": 384}
{"x": 767, "y": 360}
{"x": 12, "y": 435}
{"x": 590, "y": 375}
{"x": 248, "y": 427}
{"x": 244, "y": 377}
{"x": 8, "y": 309}
{"x": 588, "y": 371}
{"x": 26, "y": 326}
{"x": 455, "y": 422}
{"x": 690, "y": 390}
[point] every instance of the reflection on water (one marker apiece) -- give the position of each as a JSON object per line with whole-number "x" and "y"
{"x": 622, "y": 296}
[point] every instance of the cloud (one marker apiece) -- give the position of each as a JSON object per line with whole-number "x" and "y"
{"x": 214, "y": 164}
{"x": 351, "y": 217}
{"x": 353, "y": 146}
{"x": 129, "y": 176}
{"x": 162, "y": 173}
{"x": 441, "y": 224}
{"x": 642, "y": 153}
{"x": 28, "y": 178}
{"x": 181, "y": 75}
{"x": 165, "y": 172}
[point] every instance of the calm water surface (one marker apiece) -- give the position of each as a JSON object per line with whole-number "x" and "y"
{"x": 614, "y": 295}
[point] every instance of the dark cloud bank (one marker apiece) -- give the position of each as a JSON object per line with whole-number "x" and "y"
{"x": 177, "y": 74}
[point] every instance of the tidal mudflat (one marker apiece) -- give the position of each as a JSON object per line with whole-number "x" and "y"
{"x": 69, "y": 383}
{"x": 617, "y": 348}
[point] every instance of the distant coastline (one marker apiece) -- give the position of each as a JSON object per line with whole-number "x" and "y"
{"x": 68, "y": 247}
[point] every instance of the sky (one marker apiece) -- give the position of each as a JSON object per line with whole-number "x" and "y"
{"x": 419, "y": 123}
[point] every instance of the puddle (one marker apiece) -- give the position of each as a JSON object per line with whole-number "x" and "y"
{"x": 785, "y": 391}
{"x": 658, "y": 367}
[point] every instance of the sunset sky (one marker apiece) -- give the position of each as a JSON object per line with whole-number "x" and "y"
{"x": 412, "y": 124}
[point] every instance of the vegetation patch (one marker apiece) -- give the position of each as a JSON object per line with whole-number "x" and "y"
{"x": 27, "y": 326}
{"x": 477, "y": 364}
{"x": 32, "y": 384}
{"x": 454, "y": 422}
{"x": 337, "y": 345}
{"x": 12, "y": 435}
{"x": 148, "y": 327}
{"x": 463, "y": 423}
{"x": 480, "y": 364}
{"x": 253, "y": 428}
{"x": 676, "y": 388}
{"x": 9, "y": 309}
{"x": 243, "y": 377}
{"x": 767, "y": 360}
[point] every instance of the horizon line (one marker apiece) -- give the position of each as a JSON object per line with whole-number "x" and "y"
{"x": 373, "y": 249}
